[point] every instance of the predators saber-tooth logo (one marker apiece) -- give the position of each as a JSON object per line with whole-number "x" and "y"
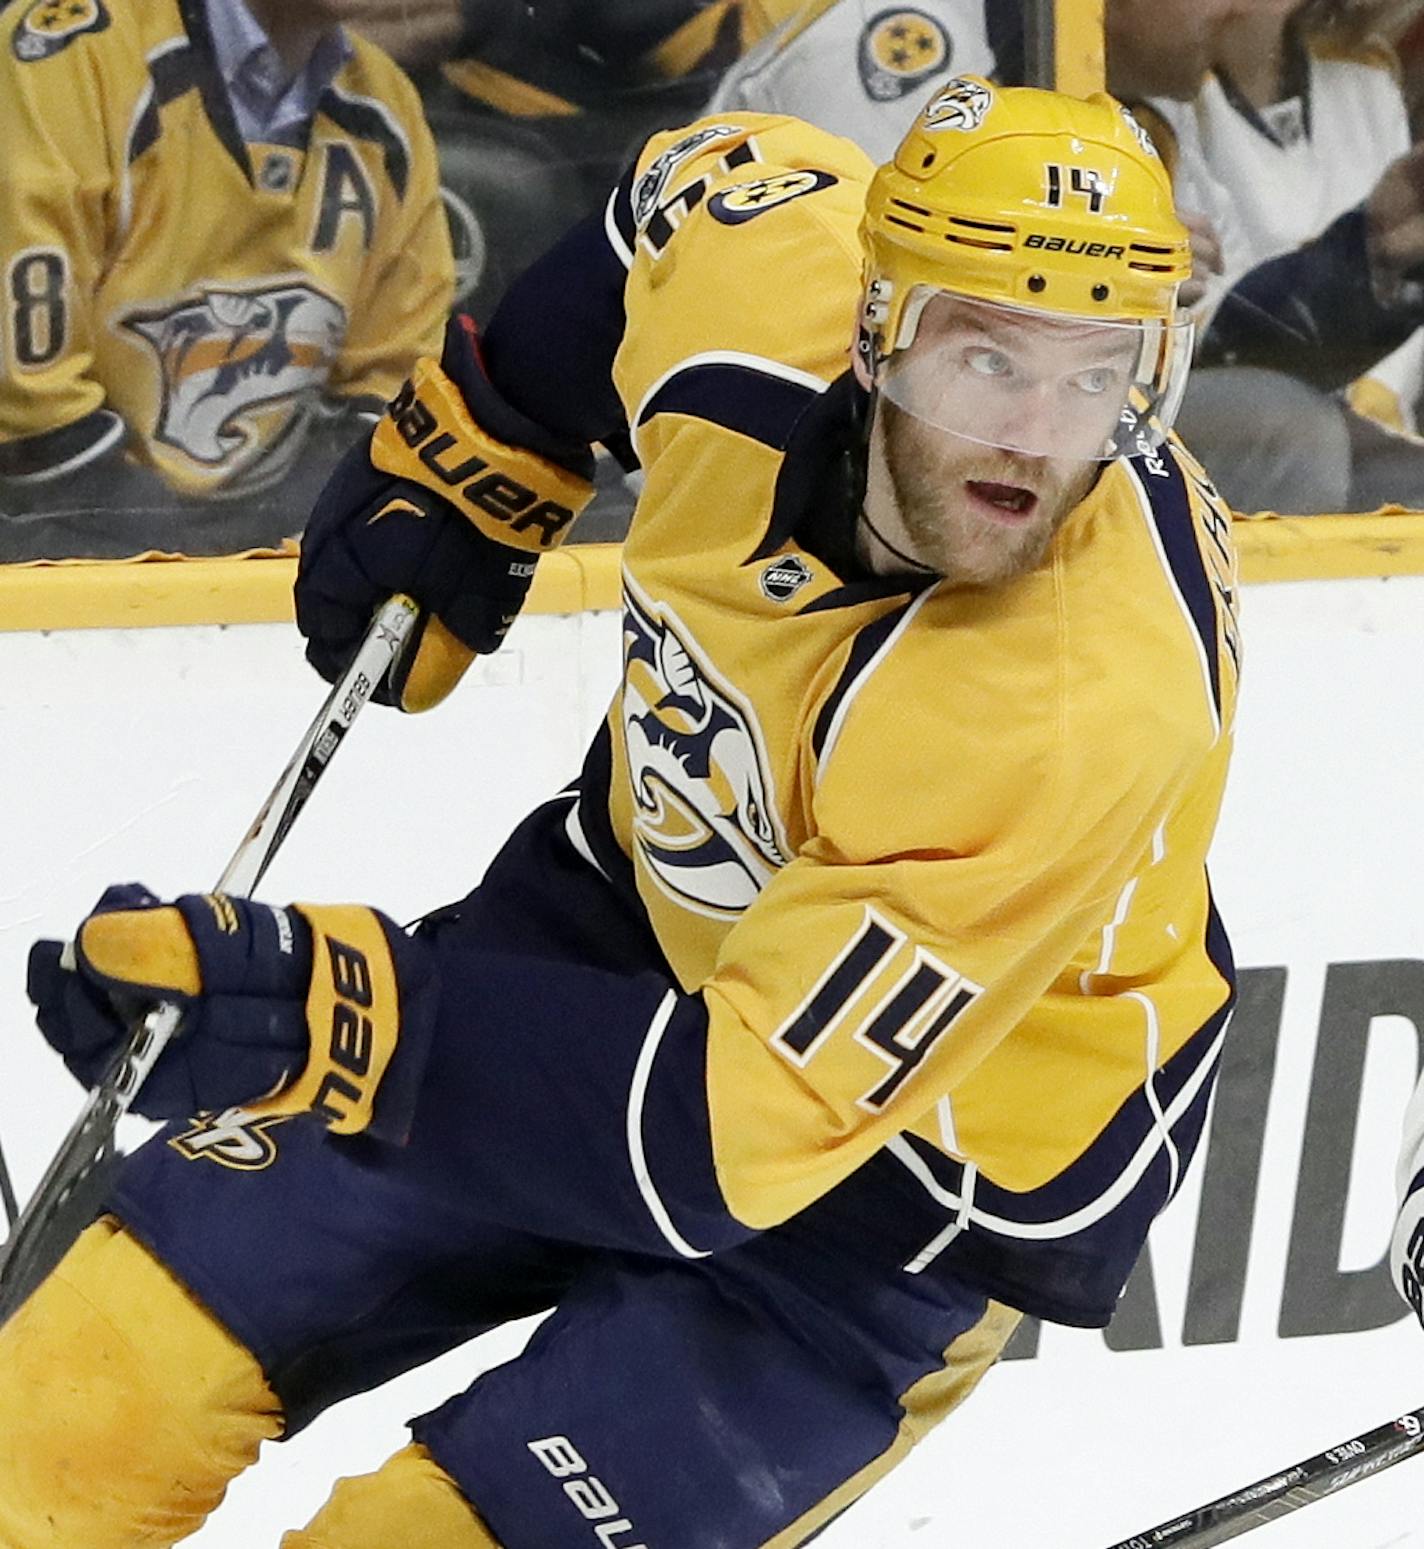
{"x": 705, "y": 821}
{"x": 228, "y": 359}
{"x": 963, "y": 105}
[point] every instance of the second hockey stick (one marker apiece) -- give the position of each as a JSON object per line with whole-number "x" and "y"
{"x": 7, "y": 1193}
{"x": 1277, "y": 1494}
{"x": 72, "y": 1186}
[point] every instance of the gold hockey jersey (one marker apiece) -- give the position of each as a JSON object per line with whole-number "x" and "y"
{"x": 164, "y": 276}
{"x": 934, "y": 859}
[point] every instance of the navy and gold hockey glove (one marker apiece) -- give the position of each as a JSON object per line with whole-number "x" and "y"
{"x": 321, "y": 1008}
{"x": 451, "y": 500}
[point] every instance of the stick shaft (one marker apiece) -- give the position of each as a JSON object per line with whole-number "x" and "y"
{"x": 1277, "y": 1494}
{"x": 7, "y": 1192}
{"x": 30, "y": 1248}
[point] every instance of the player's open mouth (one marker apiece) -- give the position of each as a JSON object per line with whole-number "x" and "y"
{"x": 1009, "y": 501}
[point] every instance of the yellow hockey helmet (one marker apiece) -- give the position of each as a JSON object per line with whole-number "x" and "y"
{"x": 1042, "y": 204}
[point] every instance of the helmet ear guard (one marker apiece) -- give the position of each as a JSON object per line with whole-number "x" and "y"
{"x": 1042, "y": 203}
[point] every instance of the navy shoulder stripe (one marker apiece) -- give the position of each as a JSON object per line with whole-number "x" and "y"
{"x": 173, "y": 72}
{"x": 736, "y": 395}
{"x": 862, "y": 652}
{"x": 620, "y": 208}
{"x": 1165, "y": 486}
{"x": 367, "y": 122}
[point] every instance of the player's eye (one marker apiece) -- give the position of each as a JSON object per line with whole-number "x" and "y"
{"x": 987, "y": 362}
{"x": 1096, "y": 381}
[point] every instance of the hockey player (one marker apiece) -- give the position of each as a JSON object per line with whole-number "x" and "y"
{"x": 219, "y": 242}
{"x": 865, "y": 990}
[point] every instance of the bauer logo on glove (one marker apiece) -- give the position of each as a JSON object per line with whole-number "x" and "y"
{"x": 285, "y": 1011}
{"x": 427, "y": 417}
{"x": 451, "y": 501}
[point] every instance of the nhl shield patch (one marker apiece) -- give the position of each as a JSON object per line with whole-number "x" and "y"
{"x": 783, "y": 578}
{"x": 50, "y": 25}
{"x": 898, "y": 51}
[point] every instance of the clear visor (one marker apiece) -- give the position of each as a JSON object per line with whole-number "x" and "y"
{"x": 1038, "y": 383}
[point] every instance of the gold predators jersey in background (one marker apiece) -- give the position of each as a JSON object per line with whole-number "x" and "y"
{"x": 164, "y": 276}
{"x": 935, "y": 858}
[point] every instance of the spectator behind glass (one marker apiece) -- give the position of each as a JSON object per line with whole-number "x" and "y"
{"x": 864, "y": 70}
{"x": 538, "y": 107}
{"x": 861, "y": 68}
{"x": 225, "y": 246}
{"x": 1309, "y": 363}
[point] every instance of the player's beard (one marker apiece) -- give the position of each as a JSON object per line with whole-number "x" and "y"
{"x": 944, "y": 528}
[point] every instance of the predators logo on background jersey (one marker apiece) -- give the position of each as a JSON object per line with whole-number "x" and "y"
{"x": 706, "y": 821}
{"x": 226, "y": 353}
{"x": 899, "y": 51}
{"x": 50, "y": 25}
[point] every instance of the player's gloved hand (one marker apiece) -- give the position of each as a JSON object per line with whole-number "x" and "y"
{"x": 1406, "y": 1249}
{"x": 452, "y": 499}
{"x": 319, "y": 1007}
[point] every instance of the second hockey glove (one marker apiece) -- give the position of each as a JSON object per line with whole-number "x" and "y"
{"x": 320, "y": 1008}
{"x": 452, "y": 499}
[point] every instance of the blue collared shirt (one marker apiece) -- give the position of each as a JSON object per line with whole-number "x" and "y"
{"x": 270, "y": 107}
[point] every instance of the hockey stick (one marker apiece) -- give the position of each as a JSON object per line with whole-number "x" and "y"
{"x": 7, "y": 1193}
{"x": 74, "y": 1183}
{"x": 1294, "y": 1487}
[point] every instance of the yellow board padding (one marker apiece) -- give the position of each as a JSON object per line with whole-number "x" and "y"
{"x": 252, "y": 590}
{"x": 584, "y": 577}
{"x": 1331, "y": 548}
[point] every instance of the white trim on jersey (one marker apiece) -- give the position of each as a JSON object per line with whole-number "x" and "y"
{"x": 863, "y": 677}
{"x": 761, "y": 364}
{"x": 637, "y": 1155}
{"x": 96, "y": 449}
{"x": 1110, "y": 930}
{"x": 1149, "y": 1086}
{"x": 1097, "y": 1209}
{"x": 622, "y": 251}
{"x": 942, "y": 1239}
{"x": 573, "y": 828}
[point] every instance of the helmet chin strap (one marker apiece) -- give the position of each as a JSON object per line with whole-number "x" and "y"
{"x": 868, "y": 535}
{"x": 905, "y": 561}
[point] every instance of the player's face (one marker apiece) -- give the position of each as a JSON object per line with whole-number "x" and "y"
{"x": 989, "y": 430}
{"x": 1030, "y": 382}
{"x": 977, "y": 515}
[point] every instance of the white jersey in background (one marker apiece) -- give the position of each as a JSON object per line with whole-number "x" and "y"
{"x": 862, "y": 69}
{"x": 1274, "y": 179}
